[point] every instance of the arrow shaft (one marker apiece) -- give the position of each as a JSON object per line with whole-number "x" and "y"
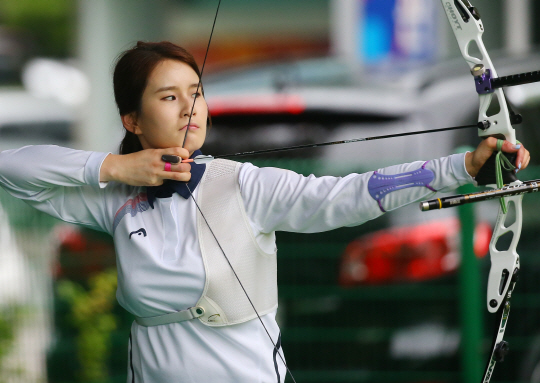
{"x": 254, "y": 152}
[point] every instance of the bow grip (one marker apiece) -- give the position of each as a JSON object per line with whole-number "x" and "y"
{"x": 486, "y": 175}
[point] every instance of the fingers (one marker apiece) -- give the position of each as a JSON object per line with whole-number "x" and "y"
{"x": 490, "y": 142}
{"x": 508, "y": 147}
{"x": 175, "y": 175}
{"x": 523, "y": 156}
{"x": 173, "y": 168}
{"x": 177, "y": 172}
{"x": 523, "y": 159}
{"x": 179, "y": 168}
{"x": 177, "y": 151}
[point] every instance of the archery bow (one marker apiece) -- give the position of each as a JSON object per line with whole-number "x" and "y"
{"x": 468, "y": 29}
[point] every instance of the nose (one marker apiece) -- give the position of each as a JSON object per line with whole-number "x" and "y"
{"x": 189, "y": 106}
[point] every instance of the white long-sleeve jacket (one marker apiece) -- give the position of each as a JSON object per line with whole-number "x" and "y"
{"x": 65, "y": 184}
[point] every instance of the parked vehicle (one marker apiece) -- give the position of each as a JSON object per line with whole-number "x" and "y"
{"x": 28, "y": 120}
{"x": 408, "y": 254}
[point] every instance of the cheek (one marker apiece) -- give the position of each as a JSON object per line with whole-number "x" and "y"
{"x": 147, "y": 111}
{"x": 155, "y": 115}
{"x": 204, "y": 111}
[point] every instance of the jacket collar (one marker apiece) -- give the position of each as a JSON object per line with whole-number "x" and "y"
{"x": 170, "y": 187}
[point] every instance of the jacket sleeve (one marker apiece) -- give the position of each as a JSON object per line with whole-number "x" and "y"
{"x": 277, "y": 199}
{"x": 59, "y": 181}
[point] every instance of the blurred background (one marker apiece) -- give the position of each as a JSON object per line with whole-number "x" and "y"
{"x": 398, "y": 299}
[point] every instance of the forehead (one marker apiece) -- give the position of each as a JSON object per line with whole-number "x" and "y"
{"x": 171, "y": 73}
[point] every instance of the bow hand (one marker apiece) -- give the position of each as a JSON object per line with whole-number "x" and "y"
{"x": 481, "y": 164}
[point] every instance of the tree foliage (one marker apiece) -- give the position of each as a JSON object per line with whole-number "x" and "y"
{"x": 91, "y": 314}
{"x": 49, "y": 25}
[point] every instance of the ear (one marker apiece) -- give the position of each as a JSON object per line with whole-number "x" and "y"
{"x": 130, "y": 123}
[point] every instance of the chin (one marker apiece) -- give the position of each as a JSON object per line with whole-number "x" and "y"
{"x": 191, "y": 147}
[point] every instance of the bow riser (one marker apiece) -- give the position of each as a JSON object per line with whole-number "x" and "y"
{"x": 500, "y": 125}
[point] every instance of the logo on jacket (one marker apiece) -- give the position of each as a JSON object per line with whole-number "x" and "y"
{"x": 139, "y": 232}
{"x": 132, "y": 207}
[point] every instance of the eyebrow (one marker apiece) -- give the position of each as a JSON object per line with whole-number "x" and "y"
{"x": 173, "y": 87}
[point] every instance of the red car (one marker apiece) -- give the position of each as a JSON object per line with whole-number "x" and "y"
{"x": 408, "y": 254}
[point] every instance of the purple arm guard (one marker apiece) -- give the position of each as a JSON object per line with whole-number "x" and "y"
{"x": 380, "y": 185}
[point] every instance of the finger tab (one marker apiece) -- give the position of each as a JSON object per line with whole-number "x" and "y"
{"x": 170, "y": 158}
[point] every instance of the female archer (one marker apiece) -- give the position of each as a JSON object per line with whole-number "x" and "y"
{"x": 177, "y": 226}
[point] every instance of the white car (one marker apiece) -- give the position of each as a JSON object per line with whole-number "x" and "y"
{"x": 29, "y": 120}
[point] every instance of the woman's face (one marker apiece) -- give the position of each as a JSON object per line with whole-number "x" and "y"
{"x": 166, "y": 106}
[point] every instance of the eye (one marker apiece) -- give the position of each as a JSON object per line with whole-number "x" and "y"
{"x": 169, "y": 98}
{"x": 196, "y": 95}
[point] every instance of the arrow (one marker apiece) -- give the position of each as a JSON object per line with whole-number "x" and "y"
{"x": 204, "y": 159}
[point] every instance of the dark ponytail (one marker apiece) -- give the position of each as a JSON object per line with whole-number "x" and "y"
{"x": 130, "y": 143}
{"x": 131, "y": 73}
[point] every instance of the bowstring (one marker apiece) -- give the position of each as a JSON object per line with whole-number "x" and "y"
{"x": 202, "y": 215}
{"x": 202, "y": 71}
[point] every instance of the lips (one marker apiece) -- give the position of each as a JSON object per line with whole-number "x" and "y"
{"x": 192, "y": 126}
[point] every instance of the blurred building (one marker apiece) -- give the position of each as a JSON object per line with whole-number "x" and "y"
{"x": 366, "y": 30}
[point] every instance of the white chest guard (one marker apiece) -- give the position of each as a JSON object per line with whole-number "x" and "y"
{"x": 223, "y": 302}
{"x": 223, "y": 299}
